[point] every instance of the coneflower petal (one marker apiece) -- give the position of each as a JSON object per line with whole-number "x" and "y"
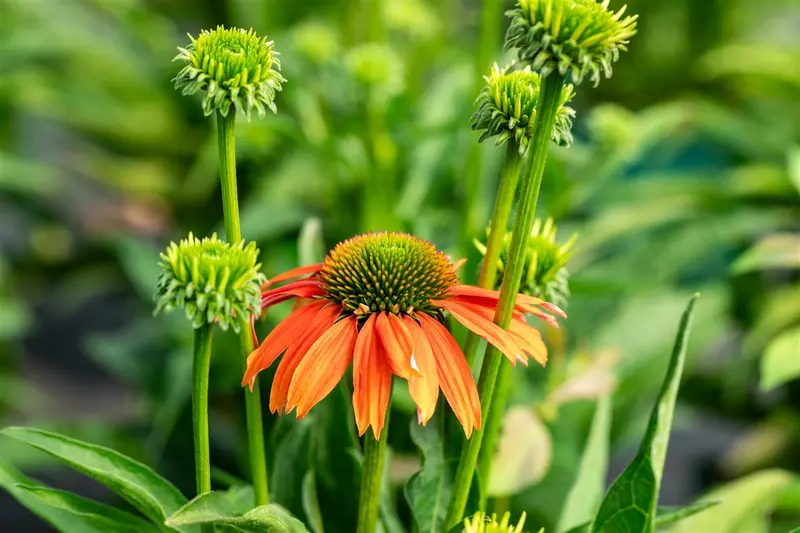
{"x": 314, "y": 329}
{"x": 284, "y": 334}
{"x": 372, "y": 380}
{"x": 469, "y": 290}
{"x": 397, "y": 345}
{"x": 455, "y": 376}
{"x": 297, "y": 289}
{"x": 322, "y": 367}
{"x": 425, "y": 388}
{"x": 484, "y": 327}
{"x": 291, "y": 274}
{"x": 526, "y": 336}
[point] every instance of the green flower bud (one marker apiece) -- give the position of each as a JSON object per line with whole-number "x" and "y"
{"x": 483, "y": 523}
{"x": 213, "y": 281}
{"x": 581, "y": 37}
{"x": 507, "y": 108}
{"x": 545, "y": 274}
{"x": 232, "y": 66}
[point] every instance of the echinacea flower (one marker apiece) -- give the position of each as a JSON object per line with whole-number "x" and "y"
{"x": 378, "y": 301}
{"x": 544, "y": 274}
{"x": 507, "y": 108}
{"x": 211, "y": 280}
{"x": 231, "y": 66}
{"x": 581, "y": 37}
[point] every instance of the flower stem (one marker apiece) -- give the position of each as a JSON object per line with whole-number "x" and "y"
{"x": 509, "y": 176}
{"x": 200, "y": 371}
{"x": 371, "y": 473}
{"x": 230, "y": 207}
{"x": 523, "y": 224}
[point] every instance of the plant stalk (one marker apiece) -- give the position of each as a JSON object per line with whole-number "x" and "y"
{"x": 509, "y": 176}
{"x": 230, "y": 207}
{"x": 523, "y": 224}
{"x": 200, "y": 371}
{"x": 371, "y": 479}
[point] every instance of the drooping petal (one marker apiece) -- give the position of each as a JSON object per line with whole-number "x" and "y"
{"x": 297, "y": 289}
{"x": 398, "y": 345}
{"x": 322, "y": 366}
{"x": 526, "y": 336}
{"x": 291, "y": 274}
{"x": 286, "y": 332}
{"x": 455, "y": 377}
{"x": 314, "y": 329}
{"x": 470, "y": 290}
{"x": 425, "y": 388}
{"x": 372, "y": 380}
{"x": 484, "y": 327}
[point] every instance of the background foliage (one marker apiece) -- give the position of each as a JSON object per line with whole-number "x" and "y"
{"x": 684, "y": 177}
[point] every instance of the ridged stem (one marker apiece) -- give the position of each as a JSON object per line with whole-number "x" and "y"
{"x": 509, "y": 176}
{"x": 252, "y": 399}
{"x": 523, "y": 224}
{"x": 200, "y": 371}
{"x": 371, "y": 479}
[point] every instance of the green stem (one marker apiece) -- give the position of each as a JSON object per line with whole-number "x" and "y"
{"x": 200, "y": 371}
{"x": 492, "y": 425}
{"x": 230, "y": 207}
{"x": 523, "y": 224}
{"x": 509, "y": 176}
{"x": 371, "y": 473}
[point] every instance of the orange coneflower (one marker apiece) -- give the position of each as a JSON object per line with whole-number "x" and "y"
{"x": 378, "y": 300}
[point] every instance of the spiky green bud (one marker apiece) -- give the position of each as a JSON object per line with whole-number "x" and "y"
{"x": 507, "y": 108}
{"x": 231, "y": 66}
{"x": 213, "y": 281}
{"x": 581, "y": 37}
{"x": 545, "y": 274}
{"x": 483, "y": 523}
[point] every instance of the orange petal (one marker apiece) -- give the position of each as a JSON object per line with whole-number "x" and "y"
{"x": 458, "y": 264}
{"x": 526, "y": 336}
{"x": 469, "y": 290}
{"x": 372, "y": 380}
{"x": 322, "y": 366}
{"x": 297, "y": 289}
{"x": 286, "y": 332}
{"x": 484, "y": 327}
{"x": 314, "y": 329}
{"x": 291, "y": 274}
{"x": 424, "y": 389}
{"x": 455, "y": 376}
{"x": 398, "y": 345}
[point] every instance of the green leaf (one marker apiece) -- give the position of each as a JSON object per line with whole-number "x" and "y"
{"x": 793, "y": 164}
{"x": 745, "y": 501}
{"x": 428, "y": 491}
{"x": 311, "y": 503}
{"x": 587, "y": 491}
{"x": 780, "y": 362}
{"x": 630, "y": 503}
{"x": 781, "y": 251}
{"x": 68, "y": 512}
{"x": 583, "y": 528}
{"x": 217, "y": 508}
{"x": 140, "y": 485}
{"x": 667, "y": 516}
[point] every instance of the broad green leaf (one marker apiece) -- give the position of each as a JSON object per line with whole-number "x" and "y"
{"x": 587, "y": 491}
{"x": 745, "y": 501}
{"x": 775, "y": 251}
{"x": 428, "y": 491}
{"x": 147, "y": 491}
{"x": 667, "y": 516}
{"x": 68, "y": 512}
{"x": 781, "y": 360}
{"x": 217, "y": 508}
{"x": 630, "y": 503}
{"x": 311, "y": 503}
{"x": 582, "y": 528}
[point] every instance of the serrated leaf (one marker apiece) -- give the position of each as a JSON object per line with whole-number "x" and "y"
{"x": 630, "y": 503}
{"x": 139, "y": 484}
{"x": 216, "y": 508}
{"x": 666, "y": 516}
{"x": 745, "y": 501}
{"x": 781, "y": 360}
{"x": 587, "y": 491}
{"x": 67, "y": 512}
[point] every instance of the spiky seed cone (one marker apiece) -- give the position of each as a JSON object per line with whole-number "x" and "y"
{"x": 545, "y": 274}
{"x": 213, "y": 281}
{"x": 578, "y": 37}
{"x": 507, "y": 108}
{"x": 393, "y": 272}
{"x": 231, "y": 66}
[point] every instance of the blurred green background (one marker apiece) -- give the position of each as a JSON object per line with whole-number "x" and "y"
{"x": 684, "y": 177}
